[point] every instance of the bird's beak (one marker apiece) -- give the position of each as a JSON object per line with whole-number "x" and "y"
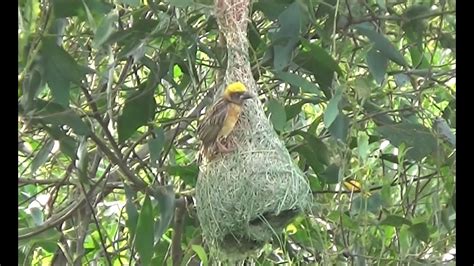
{"x": 247, "y": 95}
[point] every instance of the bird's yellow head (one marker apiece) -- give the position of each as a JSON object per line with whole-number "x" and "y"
{"x": 236, "y": 92}
{"x": 235, "y": 87}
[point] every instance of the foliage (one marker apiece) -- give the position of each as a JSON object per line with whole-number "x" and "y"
{"x": 110, "y": 93}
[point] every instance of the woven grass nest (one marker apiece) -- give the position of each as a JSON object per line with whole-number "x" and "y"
{"x": 247, "y": 196}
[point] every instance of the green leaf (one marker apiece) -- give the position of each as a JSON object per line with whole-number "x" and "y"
{"x": 131, "y": 3}
{"x": 348, "y": 222}
{"x": 377, "y": 65}
{"x": 332, "y": 110}
{"x": 418, "y": 58}
{"x": 144, "y": 235}
{"x": 55, "y": 114}
{"x": 447, "y": 40}
{"x": 63, "y": 62}
{"x": 254, "y": 40}
{"x": 131, "y": 209}
{"x": 98, "y": 8}
{"x": 155, "y": 145}
{"x": 49, "y": 246}
{"x": 413, "y": 25}
{"x": 445, "y": 219}
{"x": 420, "y": 231}
{"x": 293, "y": 110}
{"x": 309, "y": 236}
{"x": 453, "y": 200}
{"x": 382, "y": 4}
{"x": 363, "y": 88}
{"x": 66, "y": 8}
{"x": 308, "y": 154}
{"x": 377, "y": 113}
{"x": 395, "y": 221}
{"x": 166, "y": 202}
{"x": 326, "y": 9}
{"x": 339, "y": 129}
{"x": 414, "y": 30}
{"x": 105, "y": 29}
{"x": 154, "y": 76}
{"x": 132, "y": 45}
{"x": 58, "y": 84}
{"x": 405, "y": 242}
{"x": 201, "y": 254}
{"x": 277, "y": 114}
{"x": 363, "y": 145}
{"x": 314, "y": 183}
{"x": 188, "y": 173}
{"x": 272, "y": 8}
{"x": 139, "y": 109}
{"x": 371, "y": 204}
{"x": 417, "y": 138}
{"x": 298, "y": 81}
{"x": 386, "y": 194}
{"x": 37, "y": 216}
{"x": 32, "y": 85}
{"x": 181, "y": 3}
{"x": 282, "y": 54}
{"x": 316, "y": 60}
{"x": 161, "y": 254}
{"x": 330, "y": 175}
{"x": 318, "y": 147}
{"x": 322, "y": 57}
{"x": 68, "y": 146}
{"x": 415, "y": 11}
{"x": 292, "y": 22}
{"x": 61, "y": 69}
{"x": 51, "y": 234}
{"x": 401, "y": 79}
{"x": 42, "y": 156}
{"x": 121, "y": 36}
{"x": 382, "y": 44}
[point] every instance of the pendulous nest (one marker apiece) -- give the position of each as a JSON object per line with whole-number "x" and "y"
{"x": 246, "y": 197}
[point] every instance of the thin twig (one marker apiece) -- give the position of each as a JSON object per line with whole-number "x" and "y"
{"x": 429, "y": 176}
{"x": 101, "y": 237}
{"x": 117, "y": 161}
{"x": 398, "y": 18}
{"x": 100, "y": 121}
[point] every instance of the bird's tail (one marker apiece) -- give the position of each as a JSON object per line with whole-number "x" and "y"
{"x": 208, "y": 153}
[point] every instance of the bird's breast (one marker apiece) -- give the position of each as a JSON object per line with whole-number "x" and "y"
{"x": 233, "y": 113}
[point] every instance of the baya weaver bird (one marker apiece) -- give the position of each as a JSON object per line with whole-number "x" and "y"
{"x": 221, "y": 118}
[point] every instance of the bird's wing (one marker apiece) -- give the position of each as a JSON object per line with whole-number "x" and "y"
{"x": 209, "y": 128}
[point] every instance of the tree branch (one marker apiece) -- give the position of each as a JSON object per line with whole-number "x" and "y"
{"x": 176, "y": 251}
{"x": 122, "y": 165}
{"x": 56, "y": 181}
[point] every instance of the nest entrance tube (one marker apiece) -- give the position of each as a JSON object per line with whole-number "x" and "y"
{"x": 245, "y": 197}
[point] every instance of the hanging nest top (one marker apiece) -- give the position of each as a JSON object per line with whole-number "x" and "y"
{"x": 245, "y": 197}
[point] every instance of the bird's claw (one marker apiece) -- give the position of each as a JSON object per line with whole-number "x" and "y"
{"x": 223, "y": 149}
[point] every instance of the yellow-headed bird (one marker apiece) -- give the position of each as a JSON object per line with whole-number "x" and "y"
{"x": 354, "y": 186}
{"x": 221, "y": 118}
